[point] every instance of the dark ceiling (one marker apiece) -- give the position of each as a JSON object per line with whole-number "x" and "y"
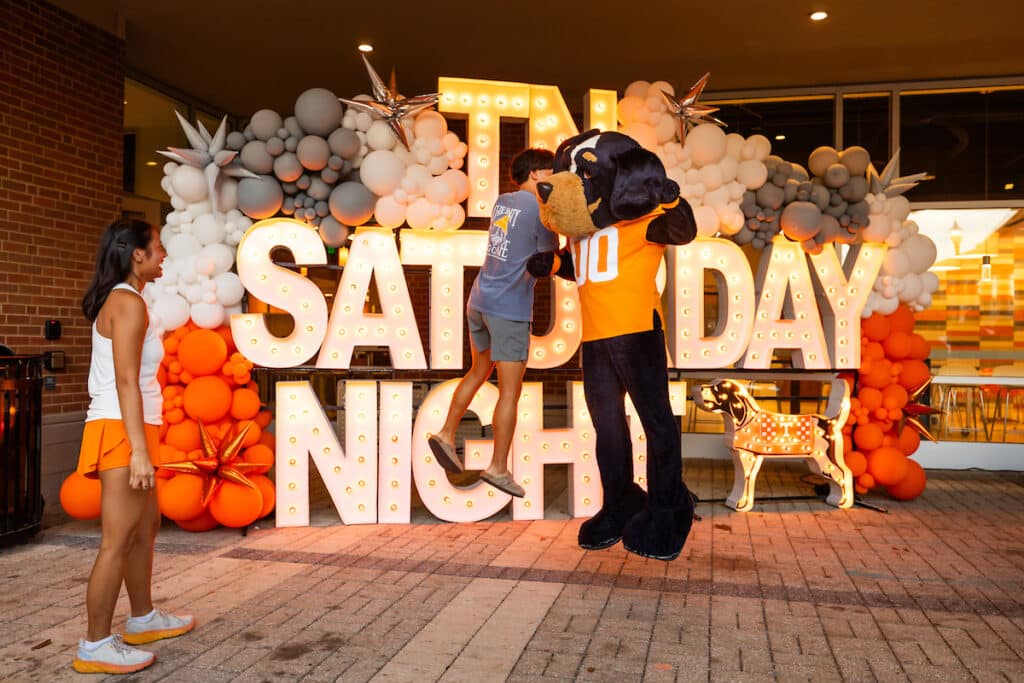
{"x": 243, "y": 55}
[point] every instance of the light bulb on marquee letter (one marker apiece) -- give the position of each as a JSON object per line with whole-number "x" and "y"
{"x": 845, "y": 289}
{"x": 735, "y": 286}
{"x": 785, "y": 288}
{"x": 445, "y": 500}
{"x": 483, "y": 103}
{"x": 282, "y": 288}
{"x": 550, "y": 120}
{"x": 556, "y": 346}
{"x": 373, "y": 254}
{"x": 533, "y": 447}
{"x": 303, "y": 430}
{"x": 447, "y": 254}
{"x": 600, "y": 109}
{"x": 395, "y": 448}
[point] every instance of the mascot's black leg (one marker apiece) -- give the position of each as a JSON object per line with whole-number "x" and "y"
{"x": 605, "y": 395}
{"x": 661, "y": 529}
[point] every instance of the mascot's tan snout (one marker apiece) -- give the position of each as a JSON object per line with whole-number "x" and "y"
{"x": 563, "y": 206}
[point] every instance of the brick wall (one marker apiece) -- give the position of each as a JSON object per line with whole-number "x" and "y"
{"x": 61, "y": 127}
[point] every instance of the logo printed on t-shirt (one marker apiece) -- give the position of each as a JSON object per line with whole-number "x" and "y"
{"x": 504, "y": 218}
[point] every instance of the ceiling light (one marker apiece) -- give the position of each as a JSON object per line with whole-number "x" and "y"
{"x": 780, "y": 136}
{"x": 820, "y": 15}
{"x": 150, "y": 163}
{"x": 1008, "y": 186}
{"x": 365, "y": 47}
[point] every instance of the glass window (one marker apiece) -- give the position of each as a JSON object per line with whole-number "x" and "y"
{"x": 866, "y": 123}
{"x": 149, "y": 125}
{"x": 794, "y": 127}
{"x": 970, "y": 141}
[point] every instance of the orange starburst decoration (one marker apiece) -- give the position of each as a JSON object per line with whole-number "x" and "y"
{"x": 219, "y": 463}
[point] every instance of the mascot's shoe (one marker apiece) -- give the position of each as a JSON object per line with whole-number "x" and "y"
{"x": 604, "y": 529}
{"x": 503, "y": 482}
{"x": 660, "y": 533}
{"x": 445, "y": 454}
{"x": 157, "y": 625}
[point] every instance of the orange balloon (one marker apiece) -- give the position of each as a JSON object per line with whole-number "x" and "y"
{"x": 914, "y": 373}
{"x": 263, "y": 418}
{"x": 866, "y": 481}
{"x": 202, "y": 352}
{"x": 236, "y": 505}
{"x": 184, "y": 436}
{"x": 245, "y": 404}
{"x": 207, "y": 399}
{"x": 897, "y": 345}
{"x": 894, "y": 397}
{"x": 887, "y": 465}
{"x": 857, "y": 463}
{"x": 909, "y": 441}
{"x": 259, "y": 454}
{"x": 269, "y": 439}
{"x": 912, "y": 484}
{"x": 171, "y": 345}
{"x": 203, "y": 522}
{"x": 174, "y": 416}
{"x": 225, "y": 332}
{"x": 878, "y": 376}
{"x": 901, "y": 320}
{"x": 80, "y": 496}
{"x": 182, "y": 497}
{"x": 875, "y": 328}
{"x": 870, "y": 398}
{"x": 890, "y": 439}
{"x": 867, "y": 437}
{"x": 161, "y": 376}
{"x": 872, "y": 351}
{"x": 919, "y": 347}
{"x": 268, "y": 492}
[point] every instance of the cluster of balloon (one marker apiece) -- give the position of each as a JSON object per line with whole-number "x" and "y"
{"x": 200, "y": 233}
{"x": 883, "y": 429}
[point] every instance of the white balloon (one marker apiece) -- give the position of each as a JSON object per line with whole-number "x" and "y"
{"x": 711, "y": 176}
{"x": 430, "y": 124}
{"x": 645, "y": 136}
{"x": 438, "y": 165}
{"x": 761, "y": 145}
{"x": 707, "y": 220}
{"x": 189, "y": 183}
{"x": 930, "y": 282}
{"x": 752, "y": 173}
{"x": 221, "y": 256}
{"x": 734, "y": 143}
{"x": 878, "y": 228}
{"x": 227, "y": 199}
{"x": 228, "y": 288}
{"x": 717, "y": 197}
{"x": 172, "y": 311}
{"x": 363, "y": 121}
{"x": 389, "y": 213}
{"x": 728, "y": 167}
{"x": 459, "y": 182}
{"x": 439, "y": 191}
{"x": 380, "y": 136}
{"x": 637, "y": 89}
{"x": 381, "y": 172}
{"x": 418, "y": 214}
{"x": 207, "y": 315}
{"x": 896, "y": 263}
{"x": 898, "y": 208}
{"x": 182, "y": 245}
{"x": 912, "y": 288}
{"x": 706, "y": 144}
{"x": 730, "y": 218}
{"x": 207, "y": 229}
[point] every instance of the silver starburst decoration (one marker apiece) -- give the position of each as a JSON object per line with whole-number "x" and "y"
{"x": 208, "y": 153}
{"x": 688, "y": 111}
{"x": 388, "y": 105}
{"x": 888, "y": 184}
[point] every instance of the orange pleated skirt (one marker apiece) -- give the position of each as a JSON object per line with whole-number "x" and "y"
{"x": 105, "y": 446}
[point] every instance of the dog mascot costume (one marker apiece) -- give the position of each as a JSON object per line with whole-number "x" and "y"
{"x": 618, "y": 209}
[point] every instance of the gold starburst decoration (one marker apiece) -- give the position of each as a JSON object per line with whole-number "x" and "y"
{"x": 913, "y": 411}
{"x": 388, "y": 105}
{"x": 218, "y": 463}
{"x": 688, "y": 111}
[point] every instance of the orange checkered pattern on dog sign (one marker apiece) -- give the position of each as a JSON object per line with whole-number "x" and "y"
{"x": 782, "y": 434}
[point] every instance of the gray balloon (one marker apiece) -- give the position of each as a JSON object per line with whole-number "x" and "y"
{"x": 318, "y": 111}
{"x": 287, "y": 167}
{"x": 235, "y": 140}
{"x": 770, "y": 196}
{"x": 256, "y": 158}
{"x": 288, "y": 206}
{"x": 344, "y": 143}
{"x": 800, "y": 221}
{"x": 799, "y": 172}
{"x": 303, "y": 182}
{"x": 313, "y": 152}
{"x": 857, "y": 209}
{"x": 308, "y": 202}
{"x": 293, "y": 127}
{"x": 352, "y": 203}
{"x": 259, "y": 198}
{"x": 329, "y": 176}
{"x": 821, "y": 159}
{"x": 318, "y": 189}
{"x": 291, "y": 144}
{"x": 836, "y": 175}
{"x": 819, "y": 196}
{"x": 322, "y": 209}
{"x": 282, "y": 133}
{"x": 275, "y": 146}
{"x": 828, "y": 228}
{"x": 854, "y": 190}
{"x": 265, "y": 123}
{"x": 779, "y": 179}
{"x": 247, "y": 132}
{"x": 743, "y": 236}
{"x": 332, "y": 232}
{"x": 836, "y": 211}
{"x": 289, "y": 188}
{"x": 757, "y": 243}
{"x": 310, "y": 213}
{"x": 834, "y": 198}
{"x": 790, "y": 190}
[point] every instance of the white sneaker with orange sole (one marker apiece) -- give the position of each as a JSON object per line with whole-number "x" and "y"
{"x": 111, "y": 656}
{"x": 157, "y": 625}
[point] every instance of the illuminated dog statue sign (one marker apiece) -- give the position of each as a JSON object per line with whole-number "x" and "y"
{"x": 754, "y": 434}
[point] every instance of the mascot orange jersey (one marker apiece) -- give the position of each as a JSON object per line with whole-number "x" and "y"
{"x": 615, "y": 272}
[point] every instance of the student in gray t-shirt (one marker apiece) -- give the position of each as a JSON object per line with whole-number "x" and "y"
{"x": 499, "y": 312}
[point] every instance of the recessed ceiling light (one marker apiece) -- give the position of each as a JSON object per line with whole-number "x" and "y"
{"x": 150, "y": 163}
{"x": 820, "y": 15}
{"x": 1008, "y": 186}
{"x": 780, "y": 136}
{"x": 365, "y": 47}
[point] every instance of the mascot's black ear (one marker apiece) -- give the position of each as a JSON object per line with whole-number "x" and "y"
{"x": 563, "y": 155}
{"x": 640, "y": 185}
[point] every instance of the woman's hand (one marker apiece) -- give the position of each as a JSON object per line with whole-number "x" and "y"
{"x": 140, "y": 471}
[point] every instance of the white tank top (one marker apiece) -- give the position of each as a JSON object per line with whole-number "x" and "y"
{"x": 102, "y": 384}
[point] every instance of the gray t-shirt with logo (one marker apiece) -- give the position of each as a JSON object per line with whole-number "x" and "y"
{"x": 504, "y": 288}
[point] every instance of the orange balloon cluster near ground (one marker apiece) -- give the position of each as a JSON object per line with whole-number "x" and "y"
{"x": 892, "y": 366}
{"x": 205, "y": 381}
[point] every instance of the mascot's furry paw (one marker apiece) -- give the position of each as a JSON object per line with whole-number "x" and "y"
{"x": 660, "y": 533}
{"x": 540, "y": 265}
{"x": 604, "y": 529}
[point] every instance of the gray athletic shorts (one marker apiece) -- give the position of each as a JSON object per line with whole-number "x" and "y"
{"x": 508, "y": 340}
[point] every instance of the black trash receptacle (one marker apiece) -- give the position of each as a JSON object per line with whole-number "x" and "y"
{"x": 21, "y": 420}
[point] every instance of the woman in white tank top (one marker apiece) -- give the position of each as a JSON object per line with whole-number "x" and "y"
{"x": 120, "y": 443}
